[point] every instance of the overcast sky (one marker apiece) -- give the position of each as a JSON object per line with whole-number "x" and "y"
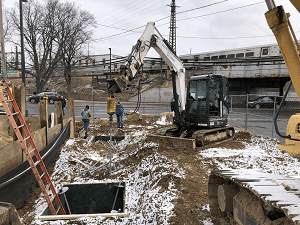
{"x": 202, "y": 26}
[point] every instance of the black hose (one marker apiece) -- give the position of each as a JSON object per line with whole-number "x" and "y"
{"x": 138, "y": 103}
{"x": 277, "y": 113}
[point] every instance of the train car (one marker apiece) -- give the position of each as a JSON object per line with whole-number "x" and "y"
{"x": 262, "y": 51}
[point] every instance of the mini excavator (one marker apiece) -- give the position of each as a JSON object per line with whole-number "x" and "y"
{"x": 200, "y": 110}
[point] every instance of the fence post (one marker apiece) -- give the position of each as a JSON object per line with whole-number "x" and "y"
{"x": 246, "y": 125}
{"x": 231, "y": 103}
{"x": 144, "y": 106}
{"x": 274, "y": 112}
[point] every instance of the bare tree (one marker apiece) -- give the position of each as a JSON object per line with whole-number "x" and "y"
{"x": 54, "y": 32}
{"x": 76, "y": 26}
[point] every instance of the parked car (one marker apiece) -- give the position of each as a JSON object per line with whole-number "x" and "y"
{"x": 52, "y": 96}
{"x": 264, "y": 102}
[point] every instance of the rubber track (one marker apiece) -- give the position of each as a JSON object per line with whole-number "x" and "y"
{"x": 204, "y": 136}
{"x": 270, "y": 188}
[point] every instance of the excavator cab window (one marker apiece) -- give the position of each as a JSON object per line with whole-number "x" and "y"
{"x": 214, "y": 96}
{"x": 196, "y": 104}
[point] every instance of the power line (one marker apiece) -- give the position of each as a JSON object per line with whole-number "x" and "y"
{"x": 209, "y": 14}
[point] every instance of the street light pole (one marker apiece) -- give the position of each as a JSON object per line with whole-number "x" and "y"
{"x": 2, "y": 43}
{"x": 22, "y": 43}
{"x": 109, "y": 63}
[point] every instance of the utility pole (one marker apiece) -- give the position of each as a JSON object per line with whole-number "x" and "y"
{"x": 22, "y": 42}
{"x": 2, "y": 43}
{"x": 172, "y": 36}
{"x": 109, "y": 63}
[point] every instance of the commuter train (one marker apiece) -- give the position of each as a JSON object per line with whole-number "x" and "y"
{"x": 262, "y": 51}
{"x": 190, "y": 61}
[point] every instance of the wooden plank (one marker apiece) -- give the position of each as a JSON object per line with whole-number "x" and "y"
{"x": 77, "y": 216}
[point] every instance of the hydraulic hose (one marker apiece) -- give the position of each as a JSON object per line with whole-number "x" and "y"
{"x": 278, "y": 111}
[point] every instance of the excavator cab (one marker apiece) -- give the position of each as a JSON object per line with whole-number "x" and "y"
{"x": 207, "y": 101}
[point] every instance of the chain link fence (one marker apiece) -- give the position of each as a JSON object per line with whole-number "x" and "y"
{"x": 256, "y": 113}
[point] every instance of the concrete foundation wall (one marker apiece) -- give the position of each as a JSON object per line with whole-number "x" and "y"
{"x": 10, "y": 157}
{"x": 4, "y": 124}
{"x": 33, "y": 123}
{"x": 39, "y": 138}
{"x": 53, "y": 132}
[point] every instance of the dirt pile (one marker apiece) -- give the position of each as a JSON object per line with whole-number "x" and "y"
{"x": 147, "y": 168}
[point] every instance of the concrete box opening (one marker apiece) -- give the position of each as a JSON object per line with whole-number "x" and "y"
{"x": 90, "y": 200}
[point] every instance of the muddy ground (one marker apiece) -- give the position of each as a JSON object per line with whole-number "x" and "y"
{"x": 191, "y": 203}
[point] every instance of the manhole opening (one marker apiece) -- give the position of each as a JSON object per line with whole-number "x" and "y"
{"x": 101, "y": 198}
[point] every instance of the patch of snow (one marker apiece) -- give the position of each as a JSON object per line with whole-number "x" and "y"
{"x": 163, "y": 121}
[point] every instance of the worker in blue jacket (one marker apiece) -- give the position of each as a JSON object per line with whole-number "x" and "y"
{"x": 119, "y": 113}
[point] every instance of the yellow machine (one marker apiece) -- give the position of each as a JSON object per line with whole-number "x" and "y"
{"x": 4, "y": 93}
{"x": 279, "y": 24}
{"x": 250, "y": 196}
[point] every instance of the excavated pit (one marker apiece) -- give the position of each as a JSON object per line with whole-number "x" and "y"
{"x": 90, "y": 200}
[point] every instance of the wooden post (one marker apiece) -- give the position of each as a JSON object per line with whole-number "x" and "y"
{"x": 19, "y": 94}
{"x": 72, "y": 115}
{"x": 44, "y": 114}
{"x": 58, "y": 117}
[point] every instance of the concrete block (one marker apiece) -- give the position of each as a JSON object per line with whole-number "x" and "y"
{"x": 135, "y": 117}
{"x": 168, "y": 115}
{"x": 8, "y": 214}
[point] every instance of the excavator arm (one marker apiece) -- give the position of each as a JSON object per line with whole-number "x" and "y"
{"x": 279, "y": 24}
{"x": 151, "y": 38}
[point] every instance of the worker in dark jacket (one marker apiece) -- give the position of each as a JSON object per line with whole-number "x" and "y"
{"x": 86, "y": 115}
{"x": 63, "y": 104}
{"x": 119, "y": 113}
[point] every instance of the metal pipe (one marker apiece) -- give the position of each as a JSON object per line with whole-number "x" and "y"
{"x": 271, "y": 4}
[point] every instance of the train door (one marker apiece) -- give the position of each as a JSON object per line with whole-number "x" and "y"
{"x": 265, "y": 51}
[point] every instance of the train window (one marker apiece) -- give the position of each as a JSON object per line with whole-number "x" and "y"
{"x": 214, "y": 57}
{"x": 265, "y": 51}
{"x": 152, "y": 62}
{"x": 185, "y": 60}
{"x": 196, "y": 58}
{"x": 222, "y": 57}
{"x": 239, "y": 55}
{"x": 206, "y": 58}
{"x": 230, "y": 56}
{"x": 249, "y": 54}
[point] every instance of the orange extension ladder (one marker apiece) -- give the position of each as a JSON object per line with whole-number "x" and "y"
{"x": 39, "y": 159}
